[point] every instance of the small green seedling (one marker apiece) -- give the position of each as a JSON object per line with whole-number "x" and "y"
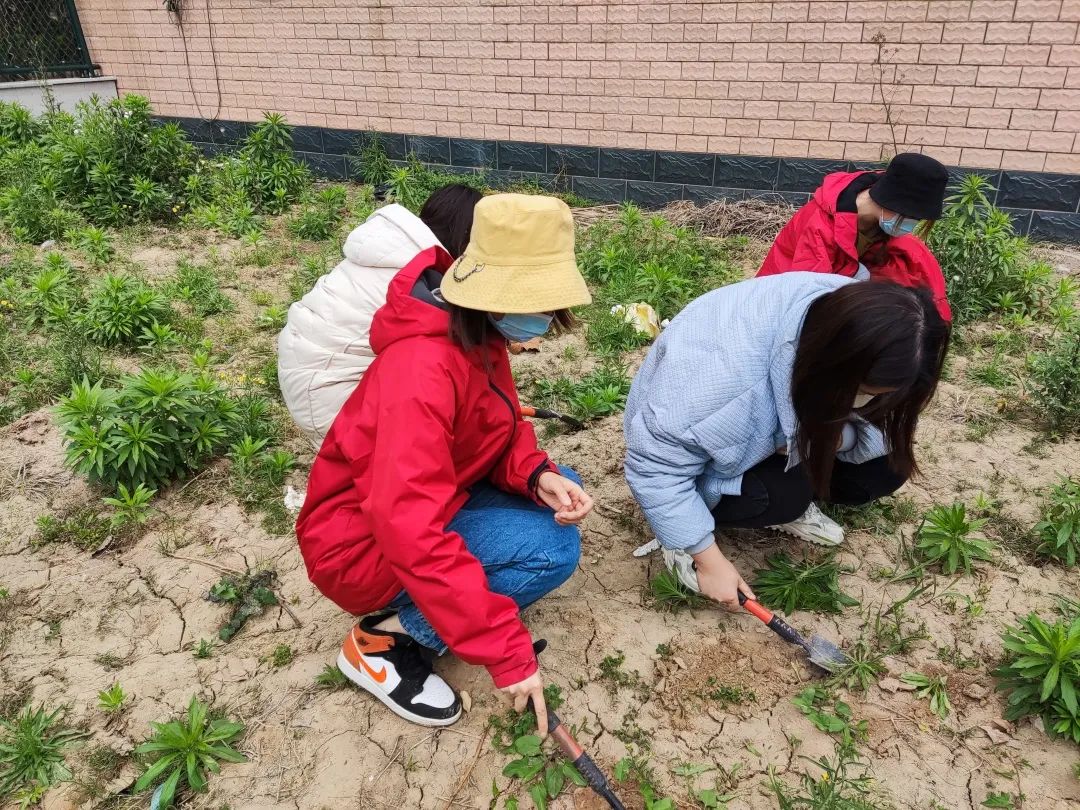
{"x": 711, "y": 799}
{"x": 111, "y": 700}
{"x": 1001, "y": 800}
{"x": 863, "y": 667}
{"x": 203, "y": 650}
{"x": 182, "y": 751}
{"x": 671, "y": 594}
{"x": 932, "y": 689}
{"x": 813, "y": 701}
{"x": 32, "y": 748}
{"x": 282, "y": 656}
{"x": 948, "y": 537}
{"x": 1059, "y": 529}
{"x": 132, "y": 505}
{"x": 787, "y": 585}
{"x": 331, "y": 678}
{"x": 248, "y": 595}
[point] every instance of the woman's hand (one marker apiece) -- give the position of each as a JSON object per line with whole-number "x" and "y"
{"x": 570, "y": 502}
{"x": 718, "y": 579}
{"x": 519, "y": 694}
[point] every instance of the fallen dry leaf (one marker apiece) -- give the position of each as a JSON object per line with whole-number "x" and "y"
{"x": 531, "y": 345}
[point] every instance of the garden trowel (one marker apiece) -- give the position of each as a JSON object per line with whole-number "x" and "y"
{"x": 821, "y": 652}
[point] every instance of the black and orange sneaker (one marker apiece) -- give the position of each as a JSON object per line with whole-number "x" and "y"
{"x": 392, "y": 667}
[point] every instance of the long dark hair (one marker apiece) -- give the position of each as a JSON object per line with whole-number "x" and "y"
{"x": 470, "y": 328}
{"x": 873, "y": 333}
{"x": 449, "y": 214}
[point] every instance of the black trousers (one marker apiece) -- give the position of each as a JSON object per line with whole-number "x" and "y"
{"x": 771, "y": 496}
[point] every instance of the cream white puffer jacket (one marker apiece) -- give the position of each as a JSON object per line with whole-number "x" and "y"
{"x": 324, "y": 349}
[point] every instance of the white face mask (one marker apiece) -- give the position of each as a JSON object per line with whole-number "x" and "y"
{"x": 863, "y": 399}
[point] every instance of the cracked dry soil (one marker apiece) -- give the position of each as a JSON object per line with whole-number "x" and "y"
{"x": 76, "y": 623}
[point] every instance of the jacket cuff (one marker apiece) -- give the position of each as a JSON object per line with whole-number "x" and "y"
{"x": 513, "y": 670}
{"x": 534, "y": 479}
{"x": 703, "y": 544}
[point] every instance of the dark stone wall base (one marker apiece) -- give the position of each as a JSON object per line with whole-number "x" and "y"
{"x": 1043, "y": 205}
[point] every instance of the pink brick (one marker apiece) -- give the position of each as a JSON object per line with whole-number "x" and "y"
{"x": 1043, "y": 77}
{"x": 1016, "y": 139}
{"x": 754, "y": 12}
{"x": 1036, "y": 55}
{"x": 983, "y": 55}
{"x": 829, "y": 149}
{"x": 769, "y": 32}
{"x": 1037, "y": 10}
{"x": 1069, "y": 164}
{"x": 941, "y": 54}
{"x": 1023, "y": 161}
{"x": 998, "y": 76}
{"x": 806, "y": 32}
{"x": 991, "y": 10}
{"x": 989, "y": 118}
{"x": 756, "y": 146}
{"x": 1053, "y": 32}
{"x": 1059, "y": 100}
{"x": 1064, "y": 55}
{"x": 922, "y": 32}
{"x": 1021, "y": 98}
{"x": 827, "y": 11}
{"x": 862, "y": 11}
{"x": 724, "y": 145}
{"x": 964, "y": 32}
{"x": 777, "y": 129}
{"x": 1008, "y": 32}
{"x": 1053, "y": 141}
{"x": 948, "y": 10}
{"x": 984, "y": 158}
{"x": 847, "y": 132}
{"x": 1033, "y": 119}
{"x": 790, "y": 147}
{"x": 932, "y": 96}
{"x": 926, "y": 135}
{"x": 860, "y": 151}
{"x": 1068, "y": 120}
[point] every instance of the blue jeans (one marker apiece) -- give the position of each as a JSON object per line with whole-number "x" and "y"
{"x": 524, "y": 552}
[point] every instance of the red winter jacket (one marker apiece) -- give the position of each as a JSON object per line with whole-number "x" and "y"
{"x": 425, "y": 424}
{"x": 823, "y": 240}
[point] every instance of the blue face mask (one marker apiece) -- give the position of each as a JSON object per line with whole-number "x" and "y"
{"x": 898, "y": 225}
{"x": 522, "y": 328}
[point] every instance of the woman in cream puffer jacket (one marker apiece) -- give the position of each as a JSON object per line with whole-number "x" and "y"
{"x": 324, "y": 349}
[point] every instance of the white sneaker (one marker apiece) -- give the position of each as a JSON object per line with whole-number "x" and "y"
{"x": 682, "y": 565}
{"x": 814, "y": 527}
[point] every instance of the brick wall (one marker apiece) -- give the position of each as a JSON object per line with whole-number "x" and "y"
{"x": 982, "y": 83}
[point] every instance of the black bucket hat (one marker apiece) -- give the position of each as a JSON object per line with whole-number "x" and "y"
{"x": 913, "y": 186}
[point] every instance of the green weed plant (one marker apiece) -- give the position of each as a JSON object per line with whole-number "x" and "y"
{"x": 1059, "y": 529}
{"x": 790, "y": 585}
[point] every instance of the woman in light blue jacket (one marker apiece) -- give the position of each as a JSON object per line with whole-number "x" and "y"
{"x": 763, "y": 395}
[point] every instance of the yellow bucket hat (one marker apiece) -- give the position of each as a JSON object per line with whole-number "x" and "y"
{"x": 520, "y": 258}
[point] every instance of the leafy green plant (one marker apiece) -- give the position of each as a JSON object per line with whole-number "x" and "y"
{"x": 32, "y": 747}
{"x": 198, "y": 285}
{"x": 86, "y": 529}
{"x": 670, "y": 594}
{"x": 321, "y": 213}
{"x": 988, "y": 269}
{"x": 541, "y": 774}
{"x": 843, "y": 784}
{"x": 372, "y": 162}
{"x": 1041, "y": 673}
{"x": 120, "y": 308}
{"x": 256, "y": 479}
{"x": 108, "y": 163}
{"x": 726, "y": 694}
{"x": 1055, "y": 387}
{"x": 863, "y": 666}
{"x": 273, "y": 317}
{"x": 634, "y": 258}
{"x": 247, "y": 595}
{"x": 1001, "y": 800}
{"x": 111, "y": 700}
{"x": 600, "y": 393}
{"x": 931, "y": 688}
{"x": 182, "y": 752}
{"x": 282, "y": 656}
{"x": 157, "y": 426}
{"x": 837, "y": 719}
{"x": 132, "y": 505}
{"x": 947, "y": 536}
{"x": 158, "y": 338}
{"x": 1059, "y": 529}
{"x": 789, "y": 585}
{"x": 331, "y": 678}
{"x": 203, "y": 650}
{"x": 94, "y": 244}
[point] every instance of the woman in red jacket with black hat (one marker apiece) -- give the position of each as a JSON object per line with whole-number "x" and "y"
{"x": 859, "y": 224}
{"x": 429, "y": 500}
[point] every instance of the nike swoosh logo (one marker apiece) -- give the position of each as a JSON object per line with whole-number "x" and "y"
{"x": 379, "y": 676}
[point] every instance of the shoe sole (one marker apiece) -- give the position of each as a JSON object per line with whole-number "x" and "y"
{"x": 365, "y": 682}
{"x": 815, "y": 539}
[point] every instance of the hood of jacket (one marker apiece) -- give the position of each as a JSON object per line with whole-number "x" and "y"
{"x": 381, "y": 239}
{"x": 406, "y": 313}
{"x": 845, "y": 223}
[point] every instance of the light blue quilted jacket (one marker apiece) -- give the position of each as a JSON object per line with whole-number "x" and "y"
{"x": 713, "y": 399}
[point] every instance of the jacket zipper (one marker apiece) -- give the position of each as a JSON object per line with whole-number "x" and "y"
{"x": 513, "y": 418}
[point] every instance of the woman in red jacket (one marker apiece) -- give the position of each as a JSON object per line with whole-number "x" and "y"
{"x": 429, "y": 498}
{"x": 860, "y": 224}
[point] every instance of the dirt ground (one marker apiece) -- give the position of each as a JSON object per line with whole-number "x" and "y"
{"x": 75, "y": 623}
